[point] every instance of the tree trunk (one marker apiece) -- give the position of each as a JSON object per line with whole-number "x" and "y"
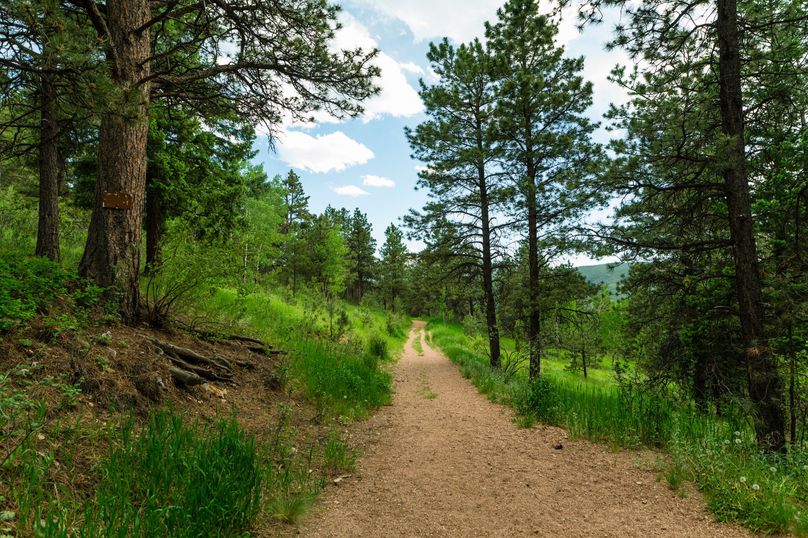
{"x": 112, "y": 253}
{"x": 488, "y": 276}
{"x": 765, "y": 383}
{"x": 700, "y": 381}
{"x": 47, "y": 235}
{"x": 534, "y": 314}
{"x": 583, "y": 361}
{"x": 792, "y": 388}
{"x": 154, "y": 226}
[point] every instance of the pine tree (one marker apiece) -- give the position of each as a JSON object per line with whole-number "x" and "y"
{"x": 361, "y": 255}
{"x": 549, "y": 153}
{"x": 284, "y": 65}
{"x": 393, "y": 267}
{"x": 692, "y": 136}
{"x": 297, "y": 217}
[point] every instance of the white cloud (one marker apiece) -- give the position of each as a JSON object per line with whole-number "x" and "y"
{"x": 322, "y": 153}
{"x": 459, "y": 20}
{"x": 411, "y": 67}
{"x": 351, "y": 190}
{"x": 377, "y": 181}
{"x": 397, "y": 97}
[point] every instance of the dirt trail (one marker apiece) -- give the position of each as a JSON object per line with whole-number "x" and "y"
{"x": 444, "y": 461}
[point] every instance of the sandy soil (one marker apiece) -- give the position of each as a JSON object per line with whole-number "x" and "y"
{"x": 444, "y": 461}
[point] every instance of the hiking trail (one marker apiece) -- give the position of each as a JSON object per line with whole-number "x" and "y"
{"x": 444, "y": 461}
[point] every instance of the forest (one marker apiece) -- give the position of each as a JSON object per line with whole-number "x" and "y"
{"x": 189, "y": 348}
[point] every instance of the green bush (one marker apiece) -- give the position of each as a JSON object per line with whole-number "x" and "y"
{"x": 377, "y": 347}
{"x": 27, "y": 286}
{"x": 537, "y": 399}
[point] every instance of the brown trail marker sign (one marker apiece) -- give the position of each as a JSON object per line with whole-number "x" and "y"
{"x": 117, "y": 200}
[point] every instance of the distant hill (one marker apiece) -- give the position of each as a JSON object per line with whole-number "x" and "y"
{"x": 604, "y": 274}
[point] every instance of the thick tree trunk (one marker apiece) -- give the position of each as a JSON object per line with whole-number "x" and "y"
{"x": 488, "y": 277}
{"x": 112, "y": 254}
{"x": 154, "y": 226}
{"x": 765, "y": 382}
{"x": 47, "y": 235}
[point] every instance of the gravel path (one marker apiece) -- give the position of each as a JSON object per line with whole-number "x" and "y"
{"x": 444, "y": 461}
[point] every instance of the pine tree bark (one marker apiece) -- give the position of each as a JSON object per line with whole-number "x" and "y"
{"x": 47, "y": 236}
{"x": 764, "y": 380}
{"x": 112, "y": 253}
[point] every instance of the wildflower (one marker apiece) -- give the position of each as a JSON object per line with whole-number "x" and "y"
{"x": 737, "y": 440}
{"x": 755, "y": 487}
{"x": 737, "y": 434}
{"x": 773, "y": 469}
{"x": 726, "y": 441}
{"x": 743, "y": 480}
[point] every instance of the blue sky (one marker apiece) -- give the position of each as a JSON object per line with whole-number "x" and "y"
{"x": 365, "y": 162}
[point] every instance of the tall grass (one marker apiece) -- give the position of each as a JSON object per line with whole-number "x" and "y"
{"x": 766, "y": 493}
{"x": 344, "y": 377}
{"x": 171, "y": 478}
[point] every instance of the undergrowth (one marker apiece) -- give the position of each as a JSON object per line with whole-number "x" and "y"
{"x": 766, "y": 493}
{"x": 344, "y": 377}
{"x": 169, "y": 477}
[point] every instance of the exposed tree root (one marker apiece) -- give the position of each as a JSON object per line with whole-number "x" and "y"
{"x": 191, "y": 368}
{"x": 253, "y": 344}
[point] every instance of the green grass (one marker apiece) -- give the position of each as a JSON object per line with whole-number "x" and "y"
{"x": 416, "y": 344}
{"x": 766, "y": 493}
{"x": 170, "y": 477}
{"x": 344, "y": 377}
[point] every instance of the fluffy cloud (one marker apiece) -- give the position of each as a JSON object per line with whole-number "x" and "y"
{"x": 397, "y": 97}
{"x": 377, "y": 181}
{"x": 460, "y": 20}
{"x": 323, "y": 153}
{"x": 427, "y": 19}
{"x": 351, "y": 190}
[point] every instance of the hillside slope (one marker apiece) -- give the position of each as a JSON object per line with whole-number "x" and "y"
{"x": 605, "y": 273}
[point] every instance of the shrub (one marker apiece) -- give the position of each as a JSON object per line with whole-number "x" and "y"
{"x": 377, "y": 347}
{"x": 31, "y": 285}
{"x": 538, "y": 399}
{"x": 187, "y": 270}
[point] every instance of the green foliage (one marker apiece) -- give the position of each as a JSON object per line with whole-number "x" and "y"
{"x": 538, "y": 401}
{"x": 31, "y": 286}
{"x": 187, "y": 272}
{"x": 377, "y": 347}
{"x": 175, "y": 479}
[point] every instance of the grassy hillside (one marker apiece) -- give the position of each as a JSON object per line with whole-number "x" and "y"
{"x": 605, "y": 273}
{"x": 90, "y": 407}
